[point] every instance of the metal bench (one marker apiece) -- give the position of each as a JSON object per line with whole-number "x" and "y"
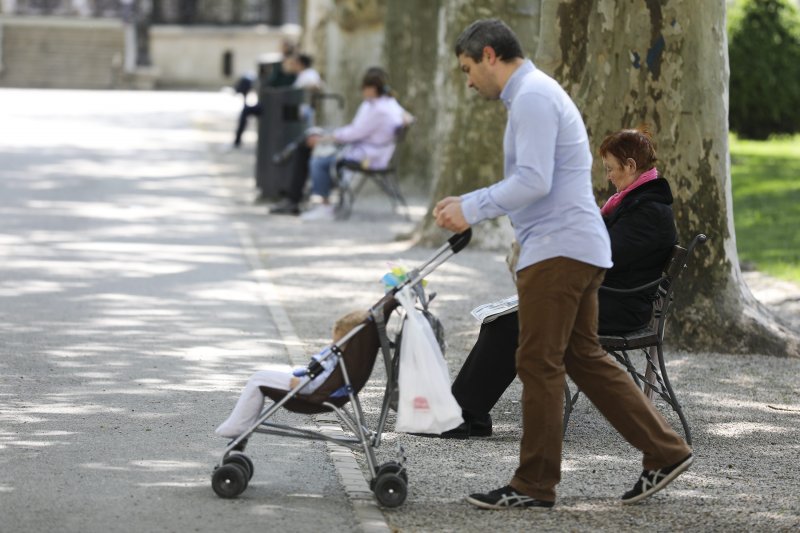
{"x": 652, "y": 376}
{"x": 351, "y": 176}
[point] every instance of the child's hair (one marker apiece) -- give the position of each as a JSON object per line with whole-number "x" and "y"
{"x": 348, "y": 322}
{"x": 636, "y": 144}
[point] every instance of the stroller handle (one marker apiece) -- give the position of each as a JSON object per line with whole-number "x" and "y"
{"x": 459, "y": 241}
{"x": 455, "y": 244}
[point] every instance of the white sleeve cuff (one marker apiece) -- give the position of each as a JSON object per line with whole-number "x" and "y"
{"x": 470, "y": 208}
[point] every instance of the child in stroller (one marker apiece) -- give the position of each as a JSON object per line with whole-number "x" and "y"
{"x": 251, "y": 401}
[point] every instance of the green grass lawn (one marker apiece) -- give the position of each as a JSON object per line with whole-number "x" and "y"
{"x": 765, "y": 177}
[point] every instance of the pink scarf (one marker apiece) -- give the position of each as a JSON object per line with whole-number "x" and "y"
{"x": 616, "y": 199}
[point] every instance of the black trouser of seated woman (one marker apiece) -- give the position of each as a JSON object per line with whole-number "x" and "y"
{"x": 490, "y": 366}
{"x": 487, "y": 372}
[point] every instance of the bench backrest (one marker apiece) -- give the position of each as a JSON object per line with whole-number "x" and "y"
{"x": 678, "y": 261}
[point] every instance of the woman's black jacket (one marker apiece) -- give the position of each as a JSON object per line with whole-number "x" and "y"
{"x": 642, "y": 231}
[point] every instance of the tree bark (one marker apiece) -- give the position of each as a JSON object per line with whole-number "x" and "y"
{"x": 459, "y": 147}
{"x": 346, "y": 37}
{"x": 660, "y": 62}
{"x": 410, "y": 51}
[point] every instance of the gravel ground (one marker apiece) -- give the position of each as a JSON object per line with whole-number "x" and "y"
{"x": 744, "y": 410}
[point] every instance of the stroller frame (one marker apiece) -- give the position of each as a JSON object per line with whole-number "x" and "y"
{"x": 388, "y": 481}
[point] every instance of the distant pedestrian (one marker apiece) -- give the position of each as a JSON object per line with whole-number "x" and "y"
{"x": 278, "y": 78}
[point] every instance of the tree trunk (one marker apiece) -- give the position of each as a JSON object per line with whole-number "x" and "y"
{"x": 460, "y": 148}
{"x": 346, "y": 37}
{"x": 410, "y": 46}
{"x": 660, "y": 62}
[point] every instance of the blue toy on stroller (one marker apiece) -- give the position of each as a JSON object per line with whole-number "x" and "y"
{"x": 355, "y": 355}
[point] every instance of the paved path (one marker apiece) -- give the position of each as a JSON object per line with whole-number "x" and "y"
{"x": 129, "y": 320}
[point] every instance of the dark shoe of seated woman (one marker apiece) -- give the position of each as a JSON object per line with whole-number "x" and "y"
{"x": 473, "y": 426}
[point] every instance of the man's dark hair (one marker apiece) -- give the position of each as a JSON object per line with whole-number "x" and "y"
{"x": 488, "y": 32}
{"x": 305, "y": 60}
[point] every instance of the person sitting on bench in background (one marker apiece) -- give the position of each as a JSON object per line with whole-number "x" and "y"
{"x": 370, "y": 140}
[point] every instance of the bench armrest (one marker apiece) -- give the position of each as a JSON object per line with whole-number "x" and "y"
{"x": 652, "y": 285}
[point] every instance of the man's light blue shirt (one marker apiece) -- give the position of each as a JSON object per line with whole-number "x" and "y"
{"x": 547, "y": 188}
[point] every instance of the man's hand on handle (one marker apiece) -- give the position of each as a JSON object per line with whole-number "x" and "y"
{"x": 449, "y": 215}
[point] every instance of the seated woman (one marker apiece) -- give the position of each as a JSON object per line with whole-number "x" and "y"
{"x": 641, "y": 226}
{"x": 370, "y": 140}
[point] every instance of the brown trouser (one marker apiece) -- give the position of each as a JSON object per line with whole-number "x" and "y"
{"x": 558, "y": 333}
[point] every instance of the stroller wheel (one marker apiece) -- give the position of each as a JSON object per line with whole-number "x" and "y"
{"x": 229, "y": 480}
{"x": 393, "y": 467}
{"x": 243, "y": 461}
{"x": 390, "y": 490}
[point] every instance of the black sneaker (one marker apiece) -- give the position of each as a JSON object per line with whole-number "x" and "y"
{"x": 652, "y": 481}
{"x": 506, "y": 498}
{"x": 285, "y": 207}
{"x": 471, "y": 427}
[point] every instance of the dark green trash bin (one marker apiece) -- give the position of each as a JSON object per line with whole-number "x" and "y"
{"x": 284, "y": 118}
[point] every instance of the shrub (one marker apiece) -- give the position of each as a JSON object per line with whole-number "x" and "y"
{"x": 764, "y": 52}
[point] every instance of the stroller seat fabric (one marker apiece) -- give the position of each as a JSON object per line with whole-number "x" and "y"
{"x": 359, "y": 355}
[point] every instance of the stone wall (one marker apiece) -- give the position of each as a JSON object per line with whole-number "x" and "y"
{"x": 65, "y": 53}
{"x": 96, "y": 53}
{"x": 193, "y": 56}
{"x": 345, "y": 37}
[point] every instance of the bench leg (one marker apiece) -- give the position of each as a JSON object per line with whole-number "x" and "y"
{"x": 676, "y": 406}
{"x": 567, "y": 406}
{"x": 569, "y": 403}
{"x": 655, "y": 381}
{"x": 393, "y": 189}
{"x": 650, "y": 374}
{"x": 348, "y": 189}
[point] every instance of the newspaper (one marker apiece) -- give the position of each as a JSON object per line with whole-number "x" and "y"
{"x": 488, "y": 312}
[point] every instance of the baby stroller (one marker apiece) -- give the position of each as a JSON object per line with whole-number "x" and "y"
{"x": 356, "y": 352}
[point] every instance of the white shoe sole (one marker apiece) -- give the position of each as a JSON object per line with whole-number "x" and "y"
{"x": 681, "y": 468}
{"x": 493, "y": 507}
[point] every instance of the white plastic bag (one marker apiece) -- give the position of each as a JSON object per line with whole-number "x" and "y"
{"x": 425, "y": 403}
